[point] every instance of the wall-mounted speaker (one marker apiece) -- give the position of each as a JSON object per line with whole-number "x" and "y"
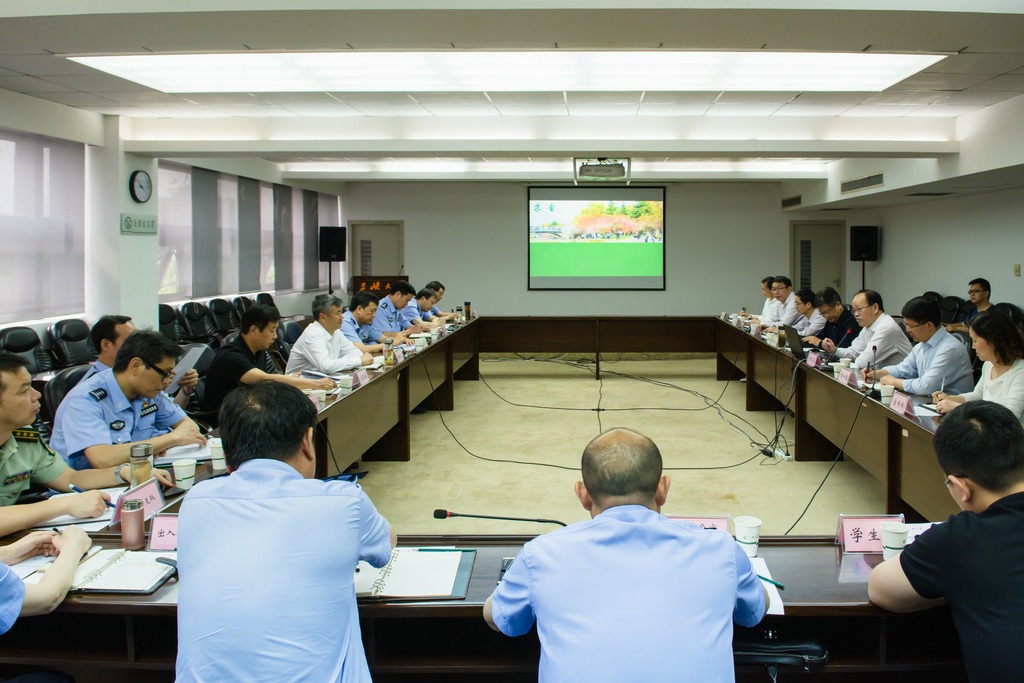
{"x": 864, "y": 240}
{"x": 332, "y": 244}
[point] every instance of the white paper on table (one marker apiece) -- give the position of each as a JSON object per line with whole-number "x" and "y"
{"x": 87, "y": 523}
{"x": 761, "y": 568}
{"x": 193, "y": 451}
{"x": 28, "y": 567}
{"x": 915, "y": 530}
{"x": 921, "y": 411}
{"x": 183, "y": 366}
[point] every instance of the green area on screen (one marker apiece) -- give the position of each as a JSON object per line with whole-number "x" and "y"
{"x": 596, "y": 259}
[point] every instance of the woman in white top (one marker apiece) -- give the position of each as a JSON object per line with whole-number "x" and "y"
{"x": 1000, "y": 344}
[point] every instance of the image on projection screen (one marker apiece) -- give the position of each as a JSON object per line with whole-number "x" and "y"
{"x": 600, "y": 238}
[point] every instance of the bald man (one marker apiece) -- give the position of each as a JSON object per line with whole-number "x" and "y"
{"x": 629, "y": 594}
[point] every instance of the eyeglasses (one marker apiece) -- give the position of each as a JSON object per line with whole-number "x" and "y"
{"x": 164, "y": 374}
{"x": 862, "y": 308}
{"x": 958, "y": 476}
{"x": 975, "y": 291}
{"x": 913, "y": 327}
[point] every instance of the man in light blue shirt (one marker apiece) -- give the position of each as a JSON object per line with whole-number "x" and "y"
{"x": 357, "y": 324}
{"x": 438, "y": 288}
{"x": 388, "y": 320}
{"x": 267, "y": 555}
{"x": 937, "y": 360}
{"x": 629, "y": 595}
{"x": 102, "y": 416}
{"x": 417, "y": 311}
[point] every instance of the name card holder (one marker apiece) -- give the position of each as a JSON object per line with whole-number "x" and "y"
{"x": 902, "y": 404}
{"x": 442, "y": 332}
{"x": 316, "y": 402}
{"x": 163, "y": 532}
{"x": 359, "y": 378}
{"x": 847, "y": 377}
{"x": 756, "y": 331}
{"x": 150, "y": 495}
{"x": 399, "y": 356}
{"x": 725, "y": 316}
{"x": 813, "y": 360}
{"x": 709, "y": 522}
{"x": 476, "y": 314}
{"x": 861, "y": 533}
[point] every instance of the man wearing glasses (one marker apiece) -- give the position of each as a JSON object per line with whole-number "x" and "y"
{"x": 785, "y": 312}
{"x": 980, "y": 293}
{"x": 103, "y": 416}
{"x": 972, "y": 561}
{"x": 880, "y": 343}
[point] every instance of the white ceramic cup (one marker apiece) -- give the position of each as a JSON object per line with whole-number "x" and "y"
{"x": 748, "y": 533}
{"x": 836, "y": 369}
{"x": 846, "y": 362}
{"x": 887, "y": 390}
{"x": 184, "y": 473}
{"x": 894, "y": 537}
{"x": 217, "y": 456}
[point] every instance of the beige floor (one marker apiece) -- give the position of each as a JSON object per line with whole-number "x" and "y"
{"x": 443, "y": 475}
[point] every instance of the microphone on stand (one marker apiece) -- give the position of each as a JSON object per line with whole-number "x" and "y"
{"x": 874, "y": 393}
{"x": 445, "y": 514}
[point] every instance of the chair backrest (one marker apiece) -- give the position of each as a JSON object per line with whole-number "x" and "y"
{"x": 225, "y": 317}
{"x": 230, "y": 338}
{"x": 903, "y": 326}
{"x": 951, "y": 306}
{"x": 289, "y": 331}
{"x": 1014, "y": 311}
{"x": 933, "y": 296}
{"x": 24, "y": 342}
{"x": 170, "y": 323}
{"x": 242, "y": 304}
{"x": 265, "y": 298}
{"x": 57, "y": 388}
{"x": 71, "y": 343}
{"x": 197, "y": 319}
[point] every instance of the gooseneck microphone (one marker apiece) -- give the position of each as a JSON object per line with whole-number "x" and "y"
{"x": 872, "y": 392}
{"x": 445, "y": 514}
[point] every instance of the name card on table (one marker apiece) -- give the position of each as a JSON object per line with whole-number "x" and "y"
{"x": 359, "y": 378}
{"x": 813, "y": 360}
{"x": 725, "y": 316}
{"x": 476, "y": 314}
{"x": 316, "y": 402}
{"x": 861, "y": 533}
{"x": 150, "y": 495}
{"x": 902, "y": 404}
{"x": 847, "y": 377}
{"x": 756, "y": 331}
{"x": 442, "y": 332}
{"x": 710, "y": 522}
{"x": 399, "y": 356}
{"x": 163, "y": 532}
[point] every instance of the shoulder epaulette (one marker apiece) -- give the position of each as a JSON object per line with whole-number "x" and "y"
{"x": 27, "y": 434}
{"x": 98, "y": 394}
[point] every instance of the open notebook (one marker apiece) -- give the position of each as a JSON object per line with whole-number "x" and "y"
{"x": 122, "y": 571}
{"x": 415, "y": 574}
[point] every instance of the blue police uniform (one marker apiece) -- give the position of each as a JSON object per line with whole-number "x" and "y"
{"x": 96, "y": 412}
{"x": 387, "y": 318}
{"x": 434, "y": 310}
{"x": 356, "y": 333}
{"x": 12, "y": 596}
{"x": 96, "y": 369}
{"x": 411, "y": 312}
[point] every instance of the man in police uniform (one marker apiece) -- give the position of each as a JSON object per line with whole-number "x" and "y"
{"x": 108, "y": 333}
{"x": 438, "y": 289}
{"x": 388, "y": 320}
{"x": 25, "y": 458}
{"x": 417, "y": 312}
{"x": 102, "y": 416}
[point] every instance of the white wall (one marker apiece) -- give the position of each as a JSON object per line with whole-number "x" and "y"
{"x": 942, "y": 245}
{"x": 721, "y": 239}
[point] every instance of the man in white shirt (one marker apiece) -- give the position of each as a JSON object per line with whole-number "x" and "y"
{"x": 878, "y": 331}
{"x": 785, "y": 312}
{"x": 322, "y": 346}
{"x": 769, "y": 301}
{"x": 810, "y": 322}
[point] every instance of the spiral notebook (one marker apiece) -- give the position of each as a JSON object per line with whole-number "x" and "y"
{"x": 122, "y": 571}
{"x": 417, "y": 574}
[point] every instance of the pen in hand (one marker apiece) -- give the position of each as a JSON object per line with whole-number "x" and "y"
{"x": 78, "y": 490}
{"x": 774, "y": 583}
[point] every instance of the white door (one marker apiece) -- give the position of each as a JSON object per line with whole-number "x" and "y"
{"x": 376, "y": 248}
{"x": 818, "y": 256}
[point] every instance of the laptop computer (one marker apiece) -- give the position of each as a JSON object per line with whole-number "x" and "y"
{"x": 796, "y": 344}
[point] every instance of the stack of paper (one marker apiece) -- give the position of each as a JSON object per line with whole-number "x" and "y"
{"x": 194, "y": 452}
{"x": 761, "y": 569}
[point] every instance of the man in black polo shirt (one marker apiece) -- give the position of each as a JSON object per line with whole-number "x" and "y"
{"x": 975, "y": 561}
{"x": 841, "y": 327}
{"x": 244, "y": 360}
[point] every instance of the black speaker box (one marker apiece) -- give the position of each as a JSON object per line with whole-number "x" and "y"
{"x": 332, "y": 244}
{"x": 863, "y": 242}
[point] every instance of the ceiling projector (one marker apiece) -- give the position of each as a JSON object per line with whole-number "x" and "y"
{"x": 602, "y": 171}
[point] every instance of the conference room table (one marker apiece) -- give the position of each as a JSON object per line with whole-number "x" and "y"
{"x": 121, "y": 637}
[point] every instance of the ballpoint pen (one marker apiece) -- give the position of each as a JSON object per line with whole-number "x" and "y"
{"x": 774, "y": 583}
{"x": 78, "y": 490}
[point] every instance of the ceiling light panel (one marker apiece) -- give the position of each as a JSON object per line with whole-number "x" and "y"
{"x": 514, "y": 71}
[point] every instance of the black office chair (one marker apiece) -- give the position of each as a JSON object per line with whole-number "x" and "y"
{"x": 170, "y": 324}
{"x": 57, "y": 388}
{"x": 951, "y": 309}
{"x": 903, "y": 326}
{"x": 1015, "y": 313}
{"x": 933, "y": 296}
{"x": 70, "y": 343}
{"x": 225, "y": 317}
{"x": 242, "y": 304}
{"x": 265, "y": 298}
{"x": 199, "y": 325}
{"x": 24, "y": 342}
{"x": 196, "y": 406}
{"x": 289, "y": 331}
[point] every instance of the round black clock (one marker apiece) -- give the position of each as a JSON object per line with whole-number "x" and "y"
{"x": 140, "y": 186}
